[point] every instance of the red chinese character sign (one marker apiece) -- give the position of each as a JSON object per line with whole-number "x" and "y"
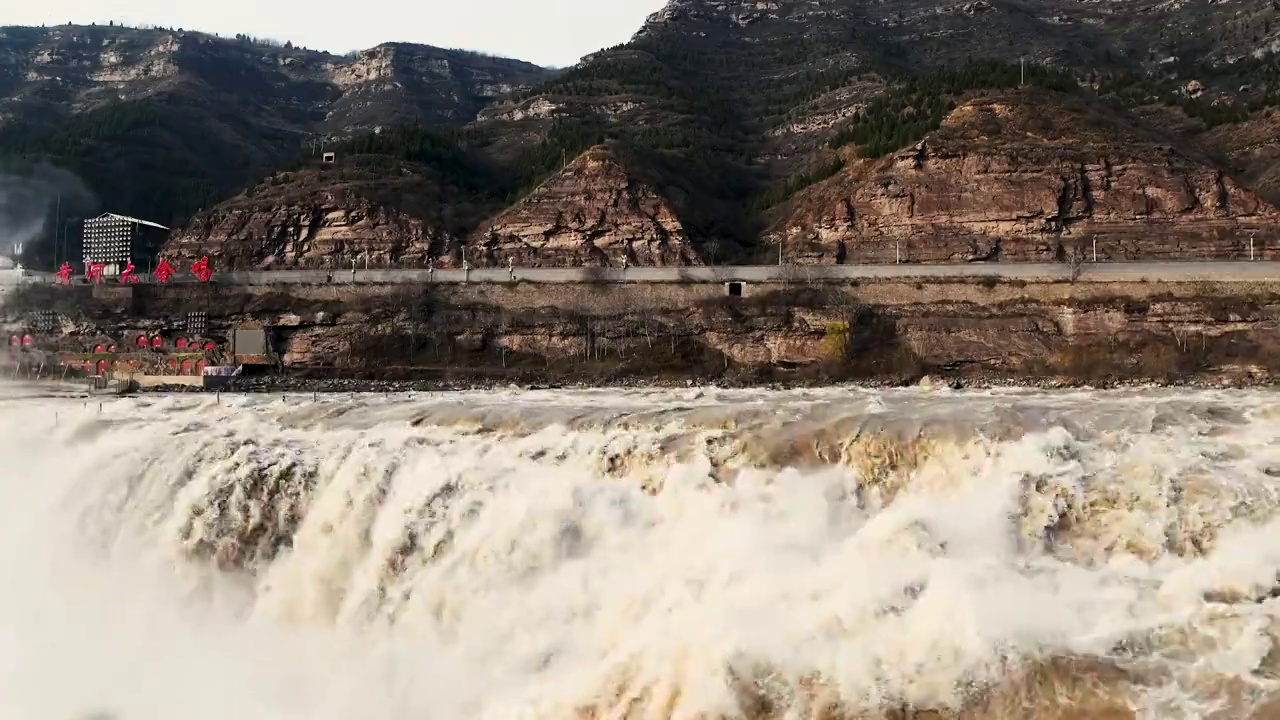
{"x": 94, "y": 271}
{"x": 64, "y": 273}
{"x": 164, "y": 270}
{"x": 201, "y": 269}
{"x": 127, "y": 276}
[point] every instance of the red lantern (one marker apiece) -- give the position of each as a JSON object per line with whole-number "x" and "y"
{"x": 14, "y": 341}
{"x": 210, "y": 346}
{"x": 181, "y": 343}
{"x": 28, "y": 341}
{"x": 200, "y": 366}
{"x": 98, "y": 349}
{"x": 111, "y": 348}
{"x": 186, "y": 366}
{"x": 102, "y": 367}
{"x": 173, "y": 363}
{"x": 142, "y": 341}
{"x": 157, "y": 341}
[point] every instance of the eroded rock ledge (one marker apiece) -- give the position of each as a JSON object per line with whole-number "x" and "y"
{"x": 597, "y": 212}
{"x": 878, "y": 331}
{"x": 1009, "y": 179}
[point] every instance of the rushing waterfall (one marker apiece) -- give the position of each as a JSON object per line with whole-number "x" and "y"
{"x": 628, "y": 555}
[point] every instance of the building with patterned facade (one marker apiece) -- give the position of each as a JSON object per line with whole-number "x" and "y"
{"x": 116, "y": 240}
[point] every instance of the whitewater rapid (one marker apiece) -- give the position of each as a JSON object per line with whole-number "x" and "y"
{"x": 796, "y": 555}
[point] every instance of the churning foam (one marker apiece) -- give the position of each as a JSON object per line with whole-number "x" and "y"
{"x": 698, "y": 554}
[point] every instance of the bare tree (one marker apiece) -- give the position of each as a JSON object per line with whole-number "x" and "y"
{"x": 1077, "y": 259}
{"x": 793, "y": 274}
{"x": 1077, "y": 266}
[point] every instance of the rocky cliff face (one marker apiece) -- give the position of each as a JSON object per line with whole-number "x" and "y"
{"x": 1030, "y": 177}
{"x": 597, "y": 213}
{"x": 888, "y": 331}
{"x": 1254, "y": 150}
{"x": 332, "y": 229}
{"x": 327, "y": 218}
{"x": 402, "y": 82}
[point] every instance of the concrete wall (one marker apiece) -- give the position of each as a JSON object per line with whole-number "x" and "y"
{"x": 159, "y": 380}
{"x": 1030, "y": 272}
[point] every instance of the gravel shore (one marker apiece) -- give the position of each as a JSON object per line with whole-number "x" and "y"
{"x": 288, "y": 384}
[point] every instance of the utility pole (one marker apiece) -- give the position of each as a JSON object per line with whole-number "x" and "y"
{"x": 1022, "y": 61}
{"x": 779, "y": 252}
{"x": 1251, "y": 237}
{"x": 897, "y": 252}
{"x": 1095, "y": 249}
{"x": 57, "y": 224}
{"x": 65, "y": 252}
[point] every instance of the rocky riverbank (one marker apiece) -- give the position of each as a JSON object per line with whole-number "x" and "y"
{"x": 416, "y": 338}
{"x": 293, "y": 385}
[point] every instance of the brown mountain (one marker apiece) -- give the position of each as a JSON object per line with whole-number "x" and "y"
{"x": 725, "y": 127}
{"x": 601, "y": 210}
{"x": 1029, "y": 176}
{"x": 363, "y": 211}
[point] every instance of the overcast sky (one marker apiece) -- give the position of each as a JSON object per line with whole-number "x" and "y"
{"x": 547, "y": 32}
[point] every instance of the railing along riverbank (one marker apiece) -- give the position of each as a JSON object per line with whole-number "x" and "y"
{"x": 1222, "y": 271}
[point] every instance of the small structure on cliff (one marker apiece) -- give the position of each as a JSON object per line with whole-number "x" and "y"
{"x": 116, "y": 240}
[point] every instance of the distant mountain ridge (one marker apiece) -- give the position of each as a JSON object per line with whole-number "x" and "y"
{"x": 186, "y": 118}
{"x": 50, "y": 73}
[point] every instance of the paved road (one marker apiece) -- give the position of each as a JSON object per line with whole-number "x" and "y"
{"x": 1101, "y": 272}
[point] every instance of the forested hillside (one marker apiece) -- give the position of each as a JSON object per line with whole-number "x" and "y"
{"x": 164, "y": 122}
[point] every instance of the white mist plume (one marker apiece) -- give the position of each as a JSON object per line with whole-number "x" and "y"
{"x": 29, "y": 202}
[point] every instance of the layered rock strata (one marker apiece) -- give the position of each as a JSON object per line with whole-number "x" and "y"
{"x": 1009, "y": 179}
{"x": 880, "y": 330}
{"x": 596, "y": 213}
{"x": 299, "y": 224}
